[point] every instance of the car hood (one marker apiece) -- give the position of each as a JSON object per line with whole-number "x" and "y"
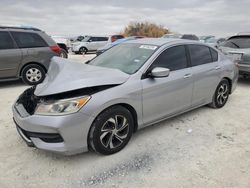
{"x": 64, "y": 75}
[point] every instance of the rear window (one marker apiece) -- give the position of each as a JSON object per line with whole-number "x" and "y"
{"x": 214, "y": 55}
{"x": 28, "y": 40}
{"x": 6, "y": 41}
{"x": 237, "y": 42}
{"x": 199, "y": 54}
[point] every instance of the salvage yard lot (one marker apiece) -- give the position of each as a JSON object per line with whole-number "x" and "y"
{"x": 201, "y": 148}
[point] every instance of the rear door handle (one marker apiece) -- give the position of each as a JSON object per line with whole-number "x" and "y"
{"x": 187, "y": 75}
{"x": 217, "y": 68}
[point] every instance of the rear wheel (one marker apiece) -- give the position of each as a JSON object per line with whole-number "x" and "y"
{"x": 221, "y": 94}
{"x": 111, "y": 130}
{"x": 63, "y": 53}
{"x": 33, "y": 74}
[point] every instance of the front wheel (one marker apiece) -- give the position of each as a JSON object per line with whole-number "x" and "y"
{"x": 221, "y": 94}
{"x": 111, "y": 130}
{"x": 83, "y": 50}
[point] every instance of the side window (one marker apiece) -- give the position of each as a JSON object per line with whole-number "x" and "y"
{"x": 173, "y": 58}
{"x": 199, "y": 54}
{"x": 28, "y": 40}
{"x": 103, "y": 39}
{"x": 214, "y": 55}
{"x": 93, "y": 39}
{"x": 6, "y": 41}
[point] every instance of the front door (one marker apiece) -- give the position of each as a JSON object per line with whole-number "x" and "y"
{"x": 163, "y": 97}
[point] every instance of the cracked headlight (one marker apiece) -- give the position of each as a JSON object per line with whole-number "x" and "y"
{"x": 61, "y": 107}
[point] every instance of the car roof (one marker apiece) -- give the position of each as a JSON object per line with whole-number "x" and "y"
{"x": 19, "y": 28}
{"x": 239, "y": 36}
{"x": 243, "y": 33}
{"x": 162, "y": 41}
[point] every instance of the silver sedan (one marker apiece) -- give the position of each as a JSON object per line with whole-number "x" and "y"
{"x": 99, "y": 105}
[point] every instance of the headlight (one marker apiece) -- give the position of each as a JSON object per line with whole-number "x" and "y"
{"x": 61, "y": 107}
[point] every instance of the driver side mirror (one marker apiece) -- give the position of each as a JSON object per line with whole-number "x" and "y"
{"x": 159, "y": 72}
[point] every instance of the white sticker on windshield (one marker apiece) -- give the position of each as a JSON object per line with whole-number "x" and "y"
{"x": 148, "y": 47}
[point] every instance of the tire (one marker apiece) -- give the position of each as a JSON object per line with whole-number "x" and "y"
{"x": 83, "y": 50}
{"x": 63, "y": 54}
{"x": 105, "y": 137}
{"x": 221, "y": 94}
{"x": 33, "y": 74}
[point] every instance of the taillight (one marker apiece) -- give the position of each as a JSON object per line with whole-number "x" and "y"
{"x": 55, "y": 49}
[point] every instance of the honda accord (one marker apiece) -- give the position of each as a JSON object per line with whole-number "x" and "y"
{"x": 99, "y": 105}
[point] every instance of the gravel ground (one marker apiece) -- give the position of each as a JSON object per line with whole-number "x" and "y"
{"x": 201, "y": 148}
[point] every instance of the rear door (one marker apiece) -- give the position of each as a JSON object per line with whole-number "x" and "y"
{"x": 92, "y": 43}
{"x": 10, "y": 56}
{"x": 206, "y": 72}
{"x": 33, "y": 47}
{"x": 166, "y": 96}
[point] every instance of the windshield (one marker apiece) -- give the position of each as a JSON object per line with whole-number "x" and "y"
{"x": 126, "y": 57}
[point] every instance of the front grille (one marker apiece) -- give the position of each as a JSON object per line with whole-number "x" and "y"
{"x": 28, "y": 100}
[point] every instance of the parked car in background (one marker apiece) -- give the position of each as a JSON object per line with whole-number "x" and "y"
{"x": 133, "y": 85}
{"x": 214, "y": 41}
{"x": 119, "y": 41}
{"x": 239, "y": 44}
{"x": 77, "y": 38}
{"x": 25, "y": 53}
{"x": 206, "y": 37}
{"x": 64, "y": 43}
{"x": 92, "y": 43}
{"x": 181, "y": 36}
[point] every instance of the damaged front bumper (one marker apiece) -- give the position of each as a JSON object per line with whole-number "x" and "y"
{"x": 66, "y": 134}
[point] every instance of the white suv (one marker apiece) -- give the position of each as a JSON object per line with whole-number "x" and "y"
{"x": 92, "y": 43}
{"x": 89, "y": 43}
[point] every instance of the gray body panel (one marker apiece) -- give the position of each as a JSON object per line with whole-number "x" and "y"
{"x": 153, "y": 99}
{"x": 10, "y": 61}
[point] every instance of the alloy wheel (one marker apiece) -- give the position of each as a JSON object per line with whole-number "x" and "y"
{"x": 114, "y": 131}
{"x": 222, "y": 94}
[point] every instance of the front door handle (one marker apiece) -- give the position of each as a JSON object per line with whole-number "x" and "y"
{"x": 217, "y": 68}
{"x": 187, "y": 75}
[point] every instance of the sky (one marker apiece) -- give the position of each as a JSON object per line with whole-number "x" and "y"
{"x": 103, "y": 17}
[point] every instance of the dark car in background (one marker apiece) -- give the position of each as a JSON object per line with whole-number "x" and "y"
{"x": 25, "y": 53}
{"x": 239, "y": 45}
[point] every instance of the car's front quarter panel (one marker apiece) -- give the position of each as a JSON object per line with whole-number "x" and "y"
{"x": 127, "y": 93}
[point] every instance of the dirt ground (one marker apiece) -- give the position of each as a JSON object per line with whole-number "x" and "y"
{"x": 201, "y": 148}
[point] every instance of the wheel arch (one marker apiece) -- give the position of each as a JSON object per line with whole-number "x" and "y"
{"x": 230, "y": 83}
{"x": 84, "y": 47}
